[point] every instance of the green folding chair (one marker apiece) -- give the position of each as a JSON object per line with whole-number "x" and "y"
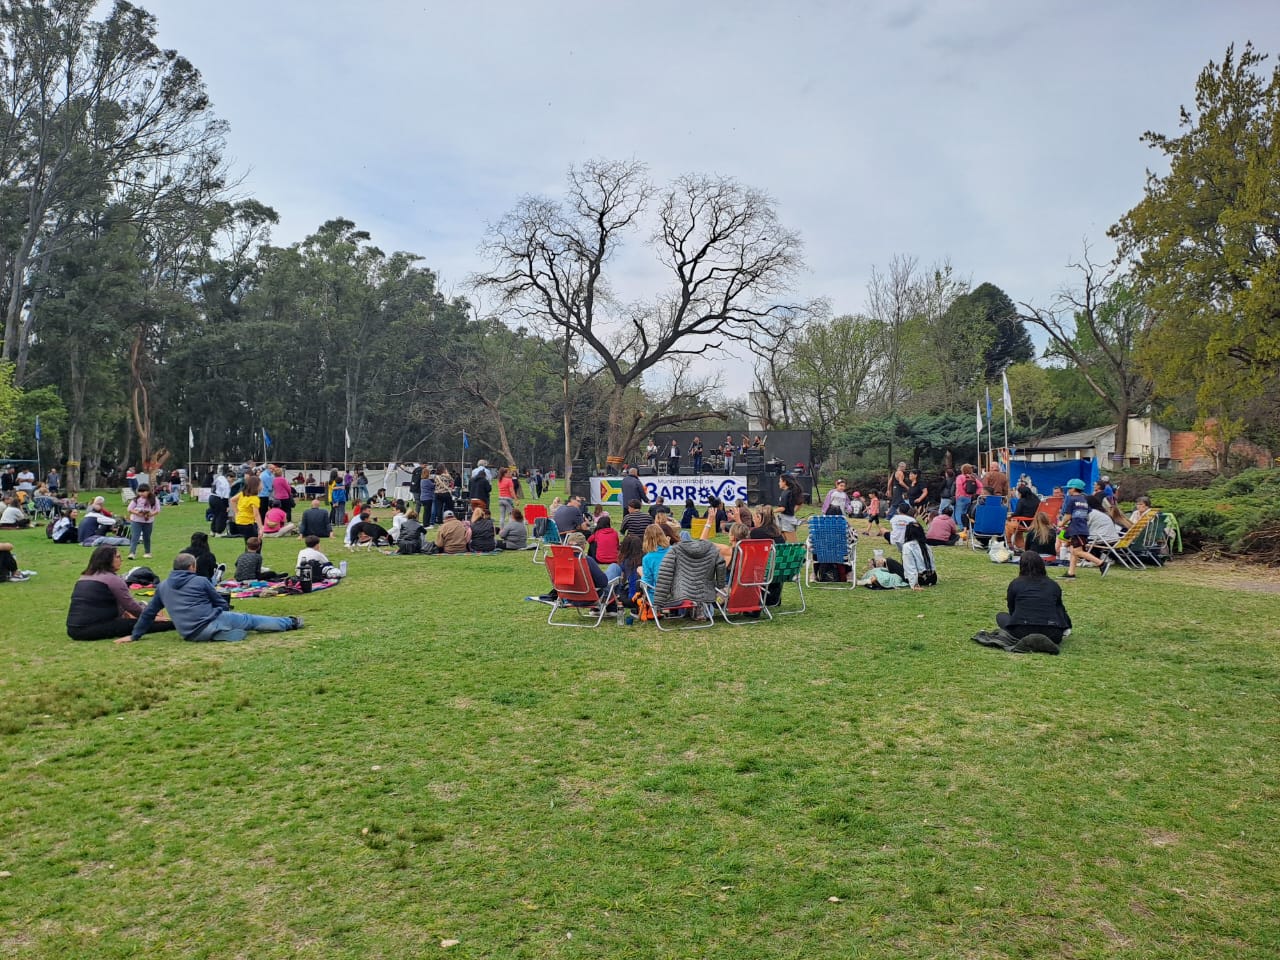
{"x": 788, "y": 567}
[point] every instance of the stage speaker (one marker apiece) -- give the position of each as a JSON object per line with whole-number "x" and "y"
{"x": 580, "y": 488}
{"x": 579, "y": 468}
{"x": 806, "y": 485}
{"x": 644, "y": 470}
{"x": 753, "y": 497}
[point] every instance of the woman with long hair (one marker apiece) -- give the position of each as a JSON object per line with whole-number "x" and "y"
{"x": 656, "y": 544}
{"x": 766, "y": 527}
{"x": 916, "y": 555}
{"x": 101, "y": 606}
{"x": 506, "y": 494}
{"x": 1042, "y": 536}
{"x": 1034, "y": 602}
{"x": 788, "y": 522}
{"x": 142, "y": 517}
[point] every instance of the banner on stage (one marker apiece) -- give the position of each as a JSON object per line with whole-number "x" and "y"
{"x": 673, "y": 490}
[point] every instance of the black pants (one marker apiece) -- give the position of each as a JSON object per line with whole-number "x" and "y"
{"x": 218, "y": 507}
{"x": 245, "y": 530}
{"x": 673, "y": 467}
{"x": 8, "y": 565}
{"x": 1020, "y": 630}
{"x": 110, "y": 629}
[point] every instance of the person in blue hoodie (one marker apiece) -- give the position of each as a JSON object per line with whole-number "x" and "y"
{"x": 199, "y": 612}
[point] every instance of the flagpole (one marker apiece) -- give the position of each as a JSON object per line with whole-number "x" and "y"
{"x": 990, "y": 445}
{"x": 977, "y": 407}
{"x": 39, "y": 465}
{"x": 191, "y": 443}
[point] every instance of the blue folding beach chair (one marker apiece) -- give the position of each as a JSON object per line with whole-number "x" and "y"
{"x": 831, "y": 541}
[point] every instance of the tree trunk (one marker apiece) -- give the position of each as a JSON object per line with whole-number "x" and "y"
{"x": 141, "y": 398}
{"x": 1122, "y": 430}
{"x": 568, "y": 413}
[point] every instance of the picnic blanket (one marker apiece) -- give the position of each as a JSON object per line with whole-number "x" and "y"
{"x": 249, "y": 589}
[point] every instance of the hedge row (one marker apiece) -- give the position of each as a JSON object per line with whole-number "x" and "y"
{"x": 1238, "y": 515}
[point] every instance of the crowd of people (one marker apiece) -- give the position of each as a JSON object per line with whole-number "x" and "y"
{"x": 446, "y": 516}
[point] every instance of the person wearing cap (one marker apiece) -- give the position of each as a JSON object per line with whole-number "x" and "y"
{"x": 1075, "y": 515}
{"x": 97, "y": 527}
{"x": 453, "y": 535}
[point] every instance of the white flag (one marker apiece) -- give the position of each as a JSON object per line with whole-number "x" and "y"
{"x": 191, "y": 437}
{"x": 348, "y": 436}
{"x": 1008, "y": 401}
{"x": 977, "y": 406}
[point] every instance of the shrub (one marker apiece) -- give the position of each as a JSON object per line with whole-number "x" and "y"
{"x": 1239, "y": 515}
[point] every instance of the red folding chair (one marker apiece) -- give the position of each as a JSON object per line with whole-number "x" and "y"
{"x": 571, "y": 580}
{"x": 534, "y": 512}
{"x": 750, "y": 573}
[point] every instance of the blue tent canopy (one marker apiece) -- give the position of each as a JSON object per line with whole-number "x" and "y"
{"x": 1055, "y": 473}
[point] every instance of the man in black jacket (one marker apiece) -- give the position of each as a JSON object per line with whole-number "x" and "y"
{"x": 633, "y": 488}
{"x": 315, "y": 522}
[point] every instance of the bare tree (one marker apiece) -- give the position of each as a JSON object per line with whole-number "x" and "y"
{"x": 893, "y": 299}
{"x": 729, "y": 260}
{"x": 1097, "y": 326}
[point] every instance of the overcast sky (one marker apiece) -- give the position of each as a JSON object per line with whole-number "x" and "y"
{"x": 999, "y": 135}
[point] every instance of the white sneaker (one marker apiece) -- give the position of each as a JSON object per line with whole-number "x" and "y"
{"x": 342, "y": 568}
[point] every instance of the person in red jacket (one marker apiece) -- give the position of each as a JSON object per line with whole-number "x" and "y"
{"x": 603, "y": 544}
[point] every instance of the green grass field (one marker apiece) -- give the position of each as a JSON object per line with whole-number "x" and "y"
{"x": 428, "y": 761}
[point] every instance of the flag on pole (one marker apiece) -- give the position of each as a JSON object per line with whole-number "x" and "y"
{"x": 988, "y": 403}
{"x": 1008, "y": 400}
{"x": 466, "y": 444}
{"x": 977, "y": 406}
{"x": 266, "y": 437}
{"x": 347, "y": 434}
{"x": 37, "y": 426}
{"x": 191, "y": 437}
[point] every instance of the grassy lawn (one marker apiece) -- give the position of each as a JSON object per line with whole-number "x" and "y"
{"x": 428, "y": 761}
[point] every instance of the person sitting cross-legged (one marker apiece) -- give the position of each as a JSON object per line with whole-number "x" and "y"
{"x": 102, "y": 608}
{"x": 320, "y": 567}
{"x": 199, "y": 613}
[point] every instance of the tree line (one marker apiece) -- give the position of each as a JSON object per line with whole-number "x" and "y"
{"x": 143, "y": 296}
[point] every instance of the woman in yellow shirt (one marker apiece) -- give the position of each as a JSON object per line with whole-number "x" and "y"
{"x": 246, "y": 509}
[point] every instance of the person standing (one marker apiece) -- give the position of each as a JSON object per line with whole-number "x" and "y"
{"x": 481, "y": 487}
{"x": 651, "y": 454}
{"x": 537, "y": 483}
{"x": 426, "y": 494}
{"x": 695, "y": 454}
{"x": 506, "y": 495}
{"x": 246, "y": 508}
{"x": 199, "y": 613}
{"x": 728, "y": 452}
{"x": 218, "y": 501}
{"x": 1075, "y": 512}
{"x": 673, "y": 460}
{"x": 633, "y": 488}
{"x": 787, "y": 520}
{"x": 143, "y": 510}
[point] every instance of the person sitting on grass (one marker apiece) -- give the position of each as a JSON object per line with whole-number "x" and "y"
{"x": 315, "y": 521}
{"x": 452, "y": 536}
{"x": 199, "y": 613}
{"x": 321, "y": 567}
{"x": 514, "y": 535}
{"x": 1034, "y": 602}
{"x": 897, "y": 532}
{"x": 9, "y": 572}
{"x": 277, "y": 524}
{"x": 13, "y": 517}
{"x": 206, "y": 562}
{"x": 690, "y": 514}
{"x": 943, "y": 531}
{"x": 410, "y": 536}
{"x": 102, "y": 608}
{"x": 483, "y": 536}
{"x": 880, "y": 576}
{"x": 249, "y": 564}
{"x": 916, "y": 555}
{"x": 64, "y": 528}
